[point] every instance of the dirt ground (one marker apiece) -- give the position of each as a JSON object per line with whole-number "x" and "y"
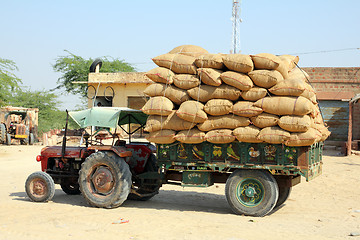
{"x": 327, "y": 207}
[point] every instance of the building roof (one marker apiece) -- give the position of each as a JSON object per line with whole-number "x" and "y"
{"x": 120, "y": 78}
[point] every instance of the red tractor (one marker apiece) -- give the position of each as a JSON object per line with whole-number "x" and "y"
{"x": 106, "y": 175}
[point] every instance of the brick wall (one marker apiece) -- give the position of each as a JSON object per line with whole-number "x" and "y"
{"x": 338, "y": 84}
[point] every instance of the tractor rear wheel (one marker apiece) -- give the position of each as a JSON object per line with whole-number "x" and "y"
{"x": 105, "y": 180}
{"x": 8, "y": 139}
{"x": 40, "y": 187}
{"x": 2, "y": 133}
{"x": 251, "y": 192}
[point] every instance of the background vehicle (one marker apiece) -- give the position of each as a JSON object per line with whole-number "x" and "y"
{"x": 18, "y": 123}
{"x": 258, "y": 176}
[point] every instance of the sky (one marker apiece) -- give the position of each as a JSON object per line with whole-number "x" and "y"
{"x": 35, "y": 33}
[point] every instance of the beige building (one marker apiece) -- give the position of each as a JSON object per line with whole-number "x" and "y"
{"x": 117, "y": 89}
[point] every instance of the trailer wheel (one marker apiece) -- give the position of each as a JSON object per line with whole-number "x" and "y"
{"x": 150, "y": 187}
{"x": 105, "y": 180}
{"x": 70, "y": 187}
{"x": 284, "y": 193}
{"x": 40, "y": 187}
{"x": 251, "y": 192}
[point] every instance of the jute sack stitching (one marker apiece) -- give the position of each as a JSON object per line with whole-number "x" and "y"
{"x": 192, "y": 111}
{"x": 247, "y": 134}
{"x": 210, "y": 76}
{"x": 238, "y": 62}
{"x": 246, "y": 109}
{"x": 217, "y": 107}
{"x": 220, "y": 136}
{"x": 265, "y": 78}
{"x": 161, "y": 75}
{"x": 177, "y": 63}
{"x": 227, "y": 121}
{"x": 192, "y": 136}
{"x": 274, "y": 135}
{"x": 254, "y": 94}
{"x": 186, "y": 81}
{"x": 295, "y": 123}
{"x": 264, "y": 120}
{"x": 238, "y": 80}
{"x": 190, "y": 50}
{"x": 210, "y": 61}
{"x": 162, "y": 137}
{"x": 265, "y": 61}
{"x": 204, "y": 93}
{"x": 158, "y": 106}
{"x": 303, "y": 139}
{"x": 285, "y": 105}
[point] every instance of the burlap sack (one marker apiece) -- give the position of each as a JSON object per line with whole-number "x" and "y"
{"x": 264, "y": 120}
{"x": 283, "y": 68}
{"x": 175, "y": 94}
{"x": 238, "y": 62}
{"x": 246, "y": 109}
{"x": 238, "y": 80}
{"x": 285, "y": 105}
{"x": 210, "y": 61}
{"x": 254, "y": 94}
{"x": 265, "y": 61}
{"x": 247, "y": 134}
{"x": 171, "y": 122}
{"x": 288, "y": 87}
{"x": 162, "y": 137}
{"x": 178, "y": 63}
{"x": 158, "y": 106}
{"x": 192, "y": 136}
{"x": 204, "y": 93}
{"x": 324, "y": 131}
{"x": 227, "y": 121}
{"x": 265, "y": 78}
{"x": 293, "y": 123}
{"x": 192, "y": 111}
{"x": 210, "y": 76}
{"x": 217, "y": 107}
{"x": 186, "y": 81}
{"x": 220, "y": 136}
{"x": 189, "y": 50}
{"x": 289, "y": 60}
{"x": 309, "y": 93}
{"x": 274, "y": 135}
{"x": 161, "y": 75}
{"x": 303, "y": 139}
{"x": 299, "y": 74}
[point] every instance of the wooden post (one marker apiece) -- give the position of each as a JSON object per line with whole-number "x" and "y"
{"x": 348, "y": 152}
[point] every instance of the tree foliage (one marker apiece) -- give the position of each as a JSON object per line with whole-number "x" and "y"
{"x": 8, "y": 80}
{"x": 76, "y": 69}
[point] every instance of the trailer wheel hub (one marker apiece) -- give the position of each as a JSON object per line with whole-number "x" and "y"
{"x": 250, "y": 192}
{"x": 103, "y": 180}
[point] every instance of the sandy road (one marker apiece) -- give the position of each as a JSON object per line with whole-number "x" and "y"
{"x": 326, "y": 208}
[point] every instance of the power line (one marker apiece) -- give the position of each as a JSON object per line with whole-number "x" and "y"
{"x": 325, "y": 51}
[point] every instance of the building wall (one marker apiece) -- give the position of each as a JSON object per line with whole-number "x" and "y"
{"x": 340, "y": 84}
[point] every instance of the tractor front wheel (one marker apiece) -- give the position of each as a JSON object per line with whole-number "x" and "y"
{"x": 40, "y": 187}
{"x": 105, "y": 180}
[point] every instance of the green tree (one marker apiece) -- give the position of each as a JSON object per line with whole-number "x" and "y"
{"x": 76, "y": 69}
{"x": 8, "y": 80}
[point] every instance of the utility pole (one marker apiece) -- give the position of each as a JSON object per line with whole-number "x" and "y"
{"x": 236, "y": 27}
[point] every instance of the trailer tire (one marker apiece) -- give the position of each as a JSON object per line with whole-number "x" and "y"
{"x": 251, "y": 192}
{"x": 40, "y": 187}
{"x": 94, "y": 64}
{"x": 70, "y": 187}
{"x": 284, "y": 193}
{"x": 150, "y": 187}
{"x": 105, "y": 180}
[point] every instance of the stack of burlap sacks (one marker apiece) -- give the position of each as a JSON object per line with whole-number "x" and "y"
{"x": 221, "y": 98}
